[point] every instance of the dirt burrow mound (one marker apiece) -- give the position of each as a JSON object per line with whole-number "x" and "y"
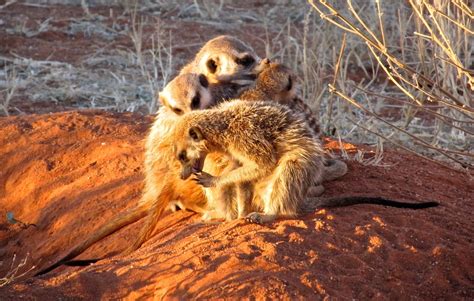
{"x": 69, "y": 173}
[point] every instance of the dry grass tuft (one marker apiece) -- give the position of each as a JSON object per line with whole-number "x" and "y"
{"x": 424, "y": 105}
{"x": 14, "y": 273}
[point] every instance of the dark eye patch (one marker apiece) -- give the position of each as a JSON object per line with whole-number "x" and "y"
{"x": 290, "y": 83}
{"x": 245, "y": 61}
{"x": 196, "y": 101}
{"x": 203, "y": 81}
{"x": 182, "y": 157}
{"x": 211, "y": 66}
{"x": 177, "y": 111}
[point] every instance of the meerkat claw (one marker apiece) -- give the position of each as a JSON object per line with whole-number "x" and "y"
{"x": 204, "y": 179}
{"x": 254, "y": 218}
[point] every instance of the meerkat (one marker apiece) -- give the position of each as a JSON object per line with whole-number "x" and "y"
{"x": 193, "y": 91}
{"x": 276, "y": 82}
{"x": 277, "y": 153}
{"x": 222, "y": 55}
{"x": 181, "y": 96}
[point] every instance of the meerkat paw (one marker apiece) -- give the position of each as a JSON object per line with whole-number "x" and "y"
{"x": 204, "y": 179}
{"x": 254, "y": 218}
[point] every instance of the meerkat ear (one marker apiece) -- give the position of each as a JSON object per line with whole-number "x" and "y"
{"x": 195, "y": 133}
{"x": 211, "y": 65}
{"x": 265, "y": 61}
{"x": 162, "y": 100}
{"x": 262, "y": 65}
{"x": 203, "y": 80}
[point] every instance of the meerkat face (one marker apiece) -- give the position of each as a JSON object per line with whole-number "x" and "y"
{"x": 227, "y": 55}
{"x": 277, "y": 80}
{"x": 227, "y": 63}
{"x": 185, "y": 93}
{"x": 191, "y": 152}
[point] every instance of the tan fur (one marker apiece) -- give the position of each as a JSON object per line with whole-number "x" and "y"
{"x": 162, "y": 187}
{"x": 276, "y": 151}
{"x": 277, "y": 83}
{"x": 192, "y": 91}
{"x": 223, "y": 55}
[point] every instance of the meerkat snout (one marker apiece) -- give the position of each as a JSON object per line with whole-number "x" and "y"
{"x": 190, "y": 152}
{"x": 185, "y": 93}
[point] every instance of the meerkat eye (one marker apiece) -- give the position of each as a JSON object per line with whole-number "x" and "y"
{"x": 246, "y": 61}
{"x": 290, "y": 84}
{"x": 211, "y": 66}
{"x": 196, "y": 101}
{"x": 203, "y": 80}
{"x": 177, "y": 111}
{"x": 182, "y": 156}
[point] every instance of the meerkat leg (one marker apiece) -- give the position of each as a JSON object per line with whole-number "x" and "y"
{"x": 315, "y": 191}
{"x": 244, "y": 196}
{"x": 287, "y": 188}
{"x": 225, "y": 201}
{"x": 221, "y": 202}
{"x": 333, "y": 169}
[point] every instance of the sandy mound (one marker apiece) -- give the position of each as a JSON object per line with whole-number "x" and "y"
{"x": 70, "y": 172}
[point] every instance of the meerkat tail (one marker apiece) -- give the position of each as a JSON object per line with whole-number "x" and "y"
{"x": 118, "y": 223}
{"x": 356, "y": 200}
{"x": 334, "y": 169}
{"x": 81, "y": 262}
{"x": 153, "y": 215}
{"x": 148, "y": 229}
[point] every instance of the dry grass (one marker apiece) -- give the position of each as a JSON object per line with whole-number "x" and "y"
{"x": 14, "y": 271}
{"x": 119, "y": 79}
{"x": 374, "y": 72}
{"x": 428, "y": 88}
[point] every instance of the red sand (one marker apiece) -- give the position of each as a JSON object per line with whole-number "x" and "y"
{"x": 70, "y": 172}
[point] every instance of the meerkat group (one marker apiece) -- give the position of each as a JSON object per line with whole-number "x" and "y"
{"x": 210, "y": 71}
{"x": 231, "y": 139}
